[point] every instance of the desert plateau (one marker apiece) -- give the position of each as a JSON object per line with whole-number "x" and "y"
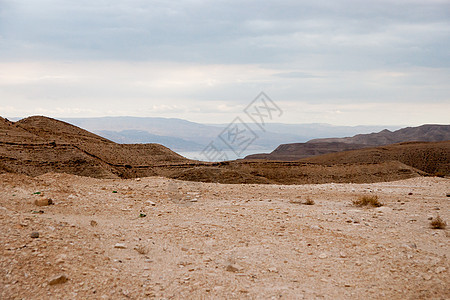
{"x": 161, "y": 238}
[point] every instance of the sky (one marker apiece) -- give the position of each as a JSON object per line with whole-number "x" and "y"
{"x": 342, "y": 62}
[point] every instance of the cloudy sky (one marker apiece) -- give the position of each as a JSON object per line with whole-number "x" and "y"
{"x": 343, "y": 62}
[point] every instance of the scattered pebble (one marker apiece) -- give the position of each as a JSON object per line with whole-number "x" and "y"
{"x": 323, "y": 255}
{"x": 43, "y": 202}
{"x": 120, "y": 246}
{"x": 58, "y": 279}
{"x": 234, "y": 268}
{"x": 93, "y": 223}
{"x": 426, "y": 276}
{"x": 34, "y": 235}
{"x": 383, "y": 209}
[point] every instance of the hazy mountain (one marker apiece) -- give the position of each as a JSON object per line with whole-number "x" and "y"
{"x": 182, "y": 135}
{"x": 424, "y": 133}
{"x": 142, "y": 137}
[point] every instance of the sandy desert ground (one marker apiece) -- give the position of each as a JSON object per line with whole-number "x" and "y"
{"x": 167, "y": 239}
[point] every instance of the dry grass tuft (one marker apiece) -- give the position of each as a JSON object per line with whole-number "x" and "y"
{"x": 438, "y": 223}
{"x": 366, "y": 200}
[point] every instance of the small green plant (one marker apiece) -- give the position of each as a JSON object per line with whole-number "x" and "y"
{"x": 368, "y": 200}
{"x": 438, "y": 223}
{"x": 114, "y": 192}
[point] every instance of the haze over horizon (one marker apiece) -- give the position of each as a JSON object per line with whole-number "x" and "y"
{"x": 339, "y": 62}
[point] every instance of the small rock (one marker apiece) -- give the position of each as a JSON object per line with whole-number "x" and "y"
{"x": 440, "y": 270}
{"x": 323, "y": 255}
{"x": 410, "y": 245}
{"x": 194, "y": 200}
{"x": 273, "y": 270}
{"x": 34, "y": 235}
{"x": 58, "y": 279}
{"x": 61, "y": 259}
{"x": 93, "y": 223}
{"x": 43, "y": 202}
{"x": 448, "y": 194}
{"x": 150, "y": 202}
{"x": 234, "y": 268}
{"x": 426, "y": 276}
{"x": 120, "y": 246}
{"x": 342, "y": 254}
{"x": 383, "y": 209}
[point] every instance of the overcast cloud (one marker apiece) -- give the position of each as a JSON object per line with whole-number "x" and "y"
{"x": 342, "y": 62}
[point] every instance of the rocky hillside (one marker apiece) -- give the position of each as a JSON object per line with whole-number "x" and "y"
{"x": 296, "y": 151}
{"x": 424, "y": 133}
{"x": 433, "y": 158}
{"x": 37, "y": 145}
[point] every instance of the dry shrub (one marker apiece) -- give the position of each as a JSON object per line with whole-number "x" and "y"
{"x": 439, "y": 174}
{"x": 438, "y": 223}
{"x": 368, "y": 200}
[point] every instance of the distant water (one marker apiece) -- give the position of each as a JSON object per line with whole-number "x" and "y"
{"x": 197, "y": 155}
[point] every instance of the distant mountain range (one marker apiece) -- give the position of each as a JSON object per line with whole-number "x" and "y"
{"x": 296, "y": 151}
{"x": 184, "y": 136}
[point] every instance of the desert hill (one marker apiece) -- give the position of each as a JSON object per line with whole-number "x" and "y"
{"x": 433, "y": 158}
{"x": 424, "y": 133}
{"x": 38, "y": 145}
{"x": 296, "y": 151}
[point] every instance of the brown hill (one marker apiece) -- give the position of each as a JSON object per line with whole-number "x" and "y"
{"x": 296, "y": 151}
{"x": 424, "y": 133}
{"x": 39, "y": 145}
{"x": 433, "y": 158}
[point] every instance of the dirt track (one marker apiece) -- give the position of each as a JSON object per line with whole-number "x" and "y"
{"x": 208, "y": 240}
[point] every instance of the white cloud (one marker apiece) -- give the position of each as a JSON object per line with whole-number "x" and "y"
{"x": 204, "y": 60}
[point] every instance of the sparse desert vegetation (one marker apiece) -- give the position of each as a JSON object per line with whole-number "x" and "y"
{"x": 367, "y": 200}
{"x": 438, "y": 223}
